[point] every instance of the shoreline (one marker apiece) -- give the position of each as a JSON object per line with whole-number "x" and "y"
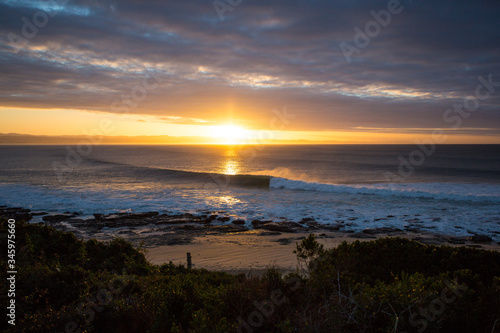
{"x": 217, "y": 243}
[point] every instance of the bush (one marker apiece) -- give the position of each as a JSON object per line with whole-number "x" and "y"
{"x": 390, "y": 284}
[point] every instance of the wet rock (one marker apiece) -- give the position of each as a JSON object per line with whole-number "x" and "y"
{"x": 38, "y": 213}
{"x": 16, "y": 213}
{"x": 149, "y": 214}
{"x": 57, "y": 218}
{"x": 481, "y": 239}
{"x": 224, "y": 219}
{"x": 177, "y": 219}
{"x": 455, "y": 240}
{"x": 257, "y": 223}
{"x": 412, "y": 228}
{"x": 307, "y": 219}
{"x": 382, "y": 230}
{"x": 22, "y": 216}
{"x": 227, "y": 228}
{"x": 240, "y": 222}
{"x": 189, "y": 227}
{"x": 281, "y": 226}
{"x": 314, "y": 225}
{"x": 112, "y": 217}
{"x": 333, "y": 227}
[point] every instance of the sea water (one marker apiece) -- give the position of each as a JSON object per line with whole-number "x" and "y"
{"x": 449, "y": 189}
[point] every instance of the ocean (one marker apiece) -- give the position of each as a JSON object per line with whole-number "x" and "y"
{"x": 448, "y": 189}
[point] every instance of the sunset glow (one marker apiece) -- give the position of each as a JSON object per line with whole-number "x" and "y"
{"x": 180, "y": 73}
{"x": 230, "y": 134}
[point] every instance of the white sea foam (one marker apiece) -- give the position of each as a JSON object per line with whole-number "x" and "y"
{"x": 442, "y": 191}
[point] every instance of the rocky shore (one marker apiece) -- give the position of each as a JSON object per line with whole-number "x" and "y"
{"x": 152, "y": 229}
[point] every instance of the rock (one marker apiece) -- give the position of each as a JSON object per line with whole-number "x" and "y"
{"x": 280, "y": 226}
{"x": 332, "y": 227}
{"x": 239, "y": 222}
{"x": 313, "y": 225}
{"x": 455, "y": 240}
{"x": 57, "y": 218}
{"x": 412, "y": 228}
{"x": 257, "y": 223}
{"x": 177, "y": 219}
{"x": 383, "y": 230}
{"x": 481, "y": 239}
{"x": 224, "y": 219}
{"x": 189, "y": 227}
{"x": 112, "y": 217}
{"x": 228, "y": 228}
{"x": 38, "y": 213}
{"x": 148, "y": 214}
{"x": 22, "y": 216}
{"x": 307, "y": 219}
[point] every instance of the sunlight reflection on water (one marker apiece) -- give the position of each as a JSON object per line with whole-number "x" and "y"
{"x": 232, "y": 163}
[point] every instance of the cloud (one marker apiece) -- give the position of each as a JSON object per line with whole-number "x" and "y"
{"x": 264, "y": 54}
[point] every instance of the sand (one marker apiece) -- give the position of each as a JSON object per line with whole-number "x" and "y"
{"x": 256, "y": 251}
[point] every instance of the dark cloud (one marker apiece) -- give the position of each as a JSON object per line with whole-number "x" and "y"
{"x": 92, "y": 54}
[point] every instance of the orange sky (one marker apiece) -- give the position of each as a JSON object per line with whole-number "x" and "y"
{"x": 298, "y": 72}
{"x": 58, "y": 122}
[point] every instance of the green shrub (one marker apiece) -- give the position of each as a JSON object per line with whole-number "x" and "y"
{"x": 387, "y": 285}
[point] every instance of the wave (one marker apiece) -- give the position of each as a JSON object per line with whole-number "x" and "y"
{"x": 440, "y": 191}
{"x": 283, "y": 178}
{"x": 173, "y": 176}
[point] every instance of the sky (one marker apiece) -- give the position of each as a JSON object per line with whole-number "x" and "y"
{"x": 322, "y": 71}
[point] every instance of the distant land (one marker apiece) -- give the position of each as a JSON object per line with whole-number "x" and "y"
{"x": 25, "y": 139}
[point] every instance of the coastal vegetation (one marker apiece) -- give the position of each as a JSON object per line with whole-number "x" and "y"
{"x": 387, "y": 285}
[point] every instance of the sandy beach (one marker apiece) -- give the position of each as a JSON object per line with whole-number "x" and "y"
{"x": 219, "y": 244}
{"x": 254, "y": 251}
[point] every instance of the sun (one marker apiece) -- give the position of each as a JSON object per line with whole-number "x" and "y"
{"x": 229, "y": 134}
